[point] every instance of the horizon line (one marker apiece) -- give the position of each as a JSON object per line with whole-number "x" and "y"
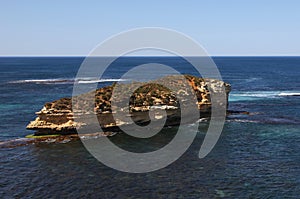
{"x": 3, "y": 56}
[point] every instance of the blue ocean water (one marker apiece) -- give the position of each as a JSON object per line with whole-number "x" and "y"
{"x": 257, "y": 155}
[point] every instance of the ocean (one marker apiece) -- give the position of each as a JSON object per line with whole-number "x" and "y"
{"x": 257, "y": 155}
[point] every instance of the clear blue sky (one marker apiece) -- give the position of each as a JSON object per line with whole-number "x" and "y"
{"x": 70, "y": 27}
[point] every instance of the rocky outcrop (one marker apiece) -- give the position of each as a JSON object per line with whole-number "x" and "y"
{"x": 58, "y": 116}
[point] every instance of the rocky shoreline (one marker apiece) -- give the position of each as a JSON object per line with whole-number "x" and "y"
{"x": 57, "y": 117}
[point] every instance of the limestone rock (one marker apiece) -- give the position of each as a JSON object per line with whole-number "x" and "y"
{"x": 58, "y": 117}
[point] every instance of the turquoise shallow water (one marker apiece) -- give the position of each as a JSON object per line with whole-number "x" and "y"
{"x": 257, "y": 156}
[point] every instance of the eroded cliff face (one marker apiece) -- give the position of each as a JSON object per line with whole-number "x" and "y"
{"x": 58, "y": 116}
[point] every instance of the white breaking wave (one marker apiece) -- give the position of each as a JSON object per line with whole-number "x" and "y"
{"x": 256, "y": 95}
{"x": 289, "y": 94}
{"x": 65, "y": 81}
{"x": 99, "y": 81}
{"x": 43, "y": 81}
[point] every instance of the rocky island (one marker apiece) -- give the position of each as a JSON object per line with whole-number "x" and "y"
{"x": 57, "y": 117}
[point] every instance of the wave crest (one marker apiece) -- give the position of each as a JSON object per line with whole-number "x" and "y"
{"x": 64, "y": 81}
{"x": 257, "y": 95}
{"x": 289, "y": 94}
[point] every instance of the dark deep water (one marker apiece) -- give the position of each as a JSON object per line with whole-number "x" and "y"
{"x": 257, "y": 156}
